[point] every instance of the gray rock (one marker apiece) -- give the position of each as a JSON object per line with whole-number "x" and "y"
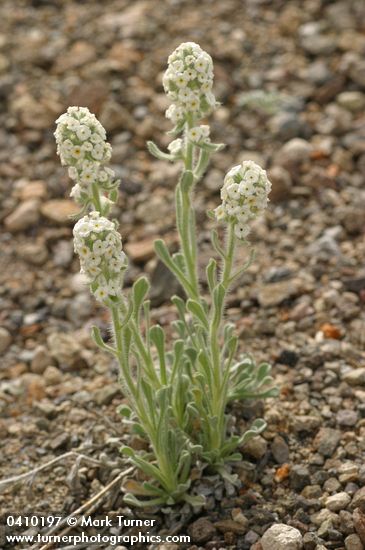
{"x": 105, "y": 395}
{"x": 310, "y": 541}
{"x": 355, "y": 377}
{"x": 52, "y": 375}
{"x": 326, "y": 441}
{"x": 318, "y": 72}
{"x": 318, "y": 44}
{"x": 348, "y": 472}
{"x": 325, "y": 527}
{"x": 338, "y": 502}
{"x": 275, "y": 293}
{"x": 63, "y": 253}
{"x": 280, "y": 450}
{"x": 294, "y": 152}
{"x": 34, "y": 253}
{"x": 255, "y": 447}
{"x": 359, "y": 523}
{"x": 351, "y": 100}
{"x": 282, "y": 536}
{"x": 41, "y": 360}
{"x": 332, "y": 485}
{"x": 281, "y": 184}
{"x": 202, "y": 530}
{"x": 5, "y": 339}
{"x": 287, "y": 126}
{"x": 299, "y": 477}
{"x": 24, "y": 216}
{"x": 305, "y": 423}
{"x": 353, "y": 542}
{"x": 65, "y": 349}
{"x": 347, "y": 418}
{"x": 80, "y": 308}
{"x": 358, "y": 500}
{"x": 251, "y": 537}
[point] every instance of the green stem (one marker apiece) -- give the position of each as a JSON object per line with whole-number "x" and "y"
{"x": 118, "y": 336}
{"x": 229, "y": 257}
{"x": 96, "y": 198}
{"x": 185, "y": 216}
{"x": 145, "y": 355}
{"x": 220, "y": 378}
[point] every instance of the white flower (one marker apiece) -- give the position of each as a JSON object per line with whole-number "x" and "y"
{"x": 83, "y": 132}
{"x": 201, "y": 63}
{"x": 193, "y": 104}
{"x": 76, "y": 152}
{"x": 241, "y": 231}
{"x": 82, "y": 228}
{"x": 175, "y": 146}
{"x": 101, "y": 293}
{"x": 205, "y": 130}
{"x": 195, "y": 134}
{"x": 73, "y": 173}
{"x": 87, "y": 176}
{"x": 98, "y": 151}
{"x": 181, "y": 81}
{"x": 113, "y": 287}
{"x": 233, "y": 191}
{"x": 189, "y": 74}
{"x": 244, "y": 196}
{"x": 99, "y": 247}
{"x": 76, "y": 193}
{"x": 220, "y": 212}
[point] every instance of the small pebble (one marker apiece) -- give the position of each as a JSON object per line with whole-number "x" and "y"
{"x": 338, "y": 501}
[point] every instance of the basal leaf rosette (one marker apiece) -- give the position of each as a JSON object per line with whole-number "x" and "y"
{"x": 188, "y": 82}
{"x": 99, "y": 246}
{"x": 81, "y": 145}
{"x": 244, "y": 196}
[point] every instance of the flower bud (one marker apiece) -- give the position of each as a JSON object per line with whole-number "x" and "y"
{"x": 244, "y": 196}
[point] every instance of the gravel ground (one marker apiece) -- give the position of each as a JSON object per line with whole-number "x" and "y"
{"x": 291, "y": 79}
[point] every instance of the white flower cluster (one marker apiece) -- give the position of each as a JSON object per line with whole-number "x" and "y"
{"x": 99, "y": 246}
{"x": 244, "y": 196}
{"x": 188, "y": 82}
{"x": 81, "y": 145}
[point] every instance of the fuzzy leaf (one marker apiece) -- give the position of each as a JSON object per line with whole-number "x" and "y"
{"x": 216, "y": 244}
{"x": 157, "y": 336}
{"x": 211, "y": 272}
{"x": 96, "y": 336}
{"x": 131, "y": 500}
{"x": 127, "y": 451}
{"x": 218, "y": 299}
{"x": 156, "y": 152}
{"x": 179, "y": 260}
{"x": 124, "y": 410}
{"x": 211, "y": 147}
{"x": 140, "y": 289}
{"x": 256, "y": 428}
{"x": 196, "y": 309}
{"x": 113, "y": 195}
{"x": 177, "y": 129}
{"x": 195, "y": 500}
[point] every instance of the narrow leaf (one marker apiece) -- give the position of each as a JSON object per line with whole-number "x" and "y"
{"x": 156, "y": 152}
{"x": 196, "y": 309}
